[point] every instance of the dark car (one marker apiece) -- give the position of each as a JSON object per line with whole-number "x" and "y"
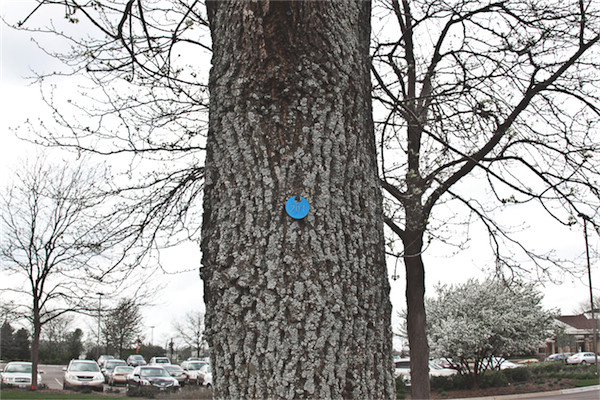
{"x": 562, "y": 357}
{"x": 136, "y": 360}
{"x": 151, "y": 377}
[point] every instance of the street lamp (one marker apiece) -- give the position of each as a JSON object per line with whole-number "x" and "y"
{"x": 152, "y": 336}
{"x": 99, "y": 308}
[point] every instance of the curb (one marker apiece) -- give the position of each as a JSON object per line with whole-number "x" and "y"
{"x": 535, "y": 394}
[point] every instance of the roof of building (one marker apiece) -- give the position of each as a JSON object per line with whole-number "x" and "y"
{"x": 577, "y": 321}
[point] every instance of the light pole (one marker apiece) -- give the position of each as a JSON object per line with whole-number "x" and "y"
{"x": 152, "y": 335}
{"x": 99, "y": 308}
{"x": 594, "y": 323}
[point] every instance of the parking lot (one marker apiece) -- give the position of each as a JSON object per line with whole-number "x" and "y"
{"x": 53, "y": 377}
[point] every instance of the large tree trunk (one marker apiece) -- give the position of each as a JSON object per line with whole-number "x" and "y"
{"x": 295, "y": 308}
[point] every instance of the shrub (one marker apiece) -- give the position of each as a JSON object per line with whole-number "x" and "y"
{"x": 444, "y": 383}
{"x": 493, "y": 379}
{"x": 146, "y": 392}
{"x": 400, "y": 387}
{"x": 517, "y": 374}
{"x": 190, "y": 392}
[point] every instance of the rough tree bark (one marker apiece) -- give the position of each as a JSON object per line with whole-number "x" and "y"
{"x": 294, "y": 308}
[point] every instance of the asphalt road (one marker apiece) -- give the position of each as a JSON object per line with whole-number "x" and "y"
{"x": 53, "y": 377}
{"x": 589, "y": 393}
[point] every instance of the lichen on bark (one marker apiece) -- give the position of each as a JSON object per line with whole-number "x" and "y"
{"x": 295, "y": 308}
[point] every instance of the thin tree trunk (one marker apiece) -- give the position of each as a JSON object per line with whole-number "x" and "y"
{"x": 35, "y": 344}
{"x": 296, "y": 308}
{"x": 416, "y": 318}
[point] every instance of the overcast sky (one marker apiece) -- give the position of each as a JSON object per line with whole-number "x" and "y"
{"x": 183, "y": 293}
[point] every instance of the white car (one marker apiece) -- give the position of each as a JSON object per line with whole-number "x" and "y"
{"x": 159, "y": 360}
{"x": 206, "y": 371}
{"x": 437, "y": 370}
{"x": 497, "y": 363}
{"x": 402, "y": 366}
{"x": 18, "y": 374}
{"x": 81, "y": 374}
{"x": 582, "y": 358}
{"x": 192, "y": 370}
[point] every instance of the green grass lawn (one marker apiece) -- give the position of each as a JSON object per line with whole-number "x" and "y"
{"x": 26, "y": 394}
{"x": 587, "y": 382}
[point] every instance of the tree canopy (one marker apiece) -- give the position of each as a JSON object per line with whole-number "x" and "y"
{"x": 122, "y": 326}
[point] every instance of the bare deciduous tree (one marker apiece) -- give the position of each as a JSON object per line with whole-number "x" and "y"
{"x": 58, "y": 246}
{"x": 191, "y": 330}
{"x": 123, "y": 325}
{"x": 505, "y": 93}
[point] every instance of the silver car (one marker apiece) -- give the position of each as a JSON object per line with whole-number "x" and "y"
{"x": 18, "y": 374}
{"x": 582, "y": 358}
{"x": 81, "y": 374}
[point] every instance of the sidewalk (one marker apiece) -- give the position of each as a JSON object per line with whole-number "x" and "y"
{"x": 535, "y": 394}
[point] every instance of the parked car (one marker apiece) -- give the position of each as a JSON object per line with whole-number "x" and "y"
{"x": 159, "y": 360}
{"x": 582, "y": 358}
{"x": 562, "y": 357}
{"x": 18, "y": 374}
{"x": 103, "y": 358}
{"x": 176, "y": 372}
{"x": 402, "y": 368}
{"x": 136, "y": 360}
{"x": 109, "y": 365}
{"x": 150, "y": 376}
{"x": 192, "y": 370}
{"x": 447, "y": 363}
{"x": 119, "y": 375}
{"x": 437, "y": 370}
{"x": 206, "y": 372}
{"x": 497, "y": 363}
{"x": 83, "y": 374}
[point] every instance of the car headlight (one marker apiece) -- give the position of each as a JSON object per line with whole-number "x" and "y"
{"x": 145, "y": 382}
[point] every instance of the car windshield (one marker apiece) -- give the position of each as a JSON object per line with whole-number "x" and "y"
{"x": 112, "y": 364}
{"x": 195, "y": 366}
{"x": 154, "y": 372}
{"x": 173, "y": 368}
{"x": 84, "y": 366}
{"x": 24, "y": 368}
{"x": 136, "y": 357}
{"x": 123, "y": 369}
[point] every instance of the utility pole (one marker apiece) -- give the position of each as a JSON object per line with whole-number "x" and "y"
{"x": 99, "y": 316}
{"x": 594, "y": 323}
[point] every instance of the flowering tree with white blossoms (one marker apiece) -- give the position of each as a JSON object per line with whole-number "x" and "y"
{"x": 477, "y": 321}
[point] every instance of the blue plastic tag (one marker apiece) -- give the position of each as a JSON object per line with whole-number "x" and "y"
{"x": 297, "y": 209}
